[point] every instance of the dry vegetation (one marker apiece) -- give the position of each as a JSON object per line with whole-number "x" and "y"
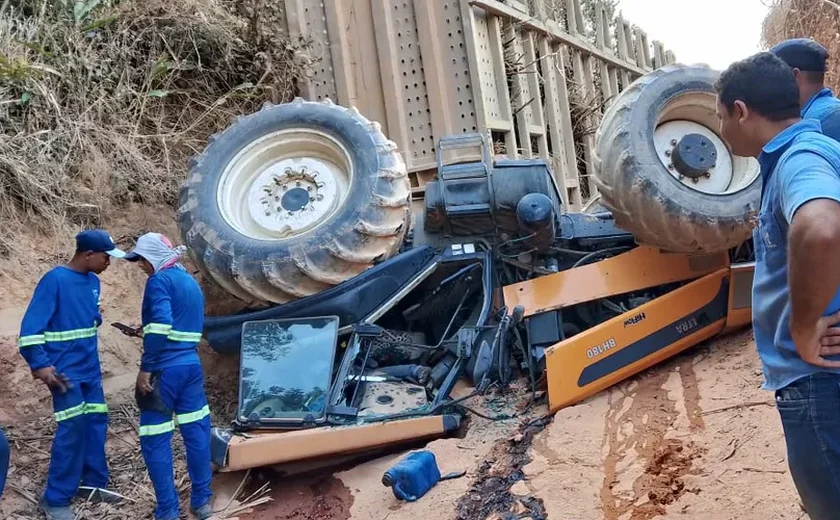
{"x": 818, "y": 19}
{"x": 103, "y": 102}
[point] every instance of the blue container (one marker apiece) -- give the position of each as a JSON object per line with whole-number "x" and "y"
{"x": 413, "y": 476}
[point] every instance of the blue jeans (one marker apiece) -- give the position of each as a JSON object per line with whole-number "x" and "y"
{"x": 4, "y": 460}
{"x": 810, "y": 412}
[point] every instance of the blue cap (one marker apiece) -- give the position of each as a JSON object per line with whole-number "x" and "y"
{"x": 98, "y": 241}
{"x": 804, "y": 54}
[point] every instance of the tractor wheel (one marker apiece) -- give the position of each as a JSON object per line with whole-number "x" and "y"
{"x": 665, "y": 172}
{"x": 292, "y": 200}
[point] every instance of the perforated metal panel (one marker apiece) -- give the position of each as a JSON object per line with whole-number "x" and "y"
{"x": 487, "y": 70}
{"x": 322, "y": 83}
{"x": 459, "y": 66}
{"x": 413, "y": 81}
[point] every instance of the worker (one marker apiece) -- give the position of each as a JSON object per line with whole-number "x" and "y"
{"x": 58, "y": 339}
{"x": 797, "y": 276}
{"x": 171, "y": 379}
{"x": 808, "y": 59}
{"x": 4, "y": 460}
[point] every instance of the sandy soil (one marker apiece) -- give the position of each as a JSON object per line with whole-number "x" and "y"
{"x": 693, "y": 438}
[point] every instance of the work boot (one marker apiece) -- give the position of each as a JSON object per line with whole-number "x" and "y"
{"x": 55, "y": 513}
{"x": 204, "y": 512}
{"x": 95, "y": 495}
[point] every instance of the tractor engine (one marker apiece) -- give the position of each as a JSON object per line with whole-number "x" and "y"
{"x": 514, "y": 206}
{"x": 515, "y": 198}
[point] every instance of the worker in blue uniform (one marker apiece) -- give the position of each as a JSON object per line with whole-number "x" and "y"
{"x": 58, "y": 339}
{"x": 796, "y": 287}
{"x": 171, "y": 379}
{"x": 808, "y": 60}
{"x": 4, "y": 460}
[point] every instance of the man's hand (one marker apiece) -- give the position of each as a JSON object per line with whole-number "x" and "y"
{"x": 144, "y": 382}
{"x": 830, "y": 342}
{"x": 51, "y": 379}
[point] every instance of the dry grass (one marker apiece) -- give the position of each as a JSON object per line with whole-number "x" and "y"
{"x": 104, "y": 107}
{"x": 818, "y": 19}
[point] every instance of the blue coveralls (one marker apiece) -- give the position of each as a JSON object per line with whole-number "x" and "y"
{"x": 60, "y": 329}
{"x": 826, "y": 108}
{"x": 4, "y": 460}
{"x": 173, "y": 319}
{"x": 798, "y": 165}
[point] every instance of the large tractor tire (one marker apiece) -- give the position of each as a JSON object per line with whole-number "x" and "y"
{"x": 664, "y": 171}
{"x": 292, "y": 200}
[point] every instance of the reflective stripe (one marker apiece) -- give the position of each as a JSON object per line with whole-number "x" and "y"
{"x": 157, "y": 429}
{"x": 186, "y": 418}
{"x": 48, "y": 336}
{"x": 31, "y": 341}
{"x": 80, "y": 409}
{"x": 157, "y": 328}
{"x": 172, "y": 335}
{"x": 70, "y": 413}
{"x": 96, "y": 408}
{"x": 177, "y": 335}
{"x": 70, "y": 335}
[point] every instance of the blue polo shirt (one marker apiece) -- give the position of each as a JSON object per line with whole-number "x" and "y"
{"x": 825, "y": 107}
{"x": 799, "y": 165}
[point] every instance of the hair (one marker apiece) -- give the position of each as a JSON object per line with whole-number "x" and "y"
{"x": 813, "y": 77}
{"x": 764, "y": 83}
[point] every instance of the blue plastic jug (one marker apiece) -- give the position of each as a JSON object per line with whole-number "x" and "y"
{"x": 415, "y": 475}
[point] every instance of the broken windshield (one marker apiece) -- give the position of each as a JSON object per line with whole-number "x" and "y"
{"x": 286, "y": 368}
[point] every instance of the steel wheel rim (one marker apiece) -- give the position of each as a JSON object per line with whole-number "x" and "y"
{"x": 694, "y": 113}
{"x": 285, "y": 185}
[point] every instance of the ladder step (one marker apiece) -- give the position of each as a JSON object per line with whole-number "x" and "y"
{"x": 463, "y": 171}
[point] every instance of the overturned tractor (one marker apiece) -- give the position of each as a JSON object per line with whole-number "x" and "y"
{"x": 366, "y": 313}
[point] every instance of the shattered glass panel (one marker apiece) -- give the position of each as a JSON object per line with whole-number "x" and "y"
{"x": 286, "y": 366}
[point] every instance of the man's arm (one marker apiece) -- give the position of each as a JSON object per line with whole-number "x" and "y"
{"x": 38, "y": 314}
{"x": 41, "y": 308}
{"x": 810, "y": 197}
{"x": 159, "y": 323}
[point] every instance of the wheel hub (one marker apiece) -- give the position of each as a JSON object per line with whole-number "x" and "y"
{"x": 289, "y": 199}
{"x": 694, "y": 156}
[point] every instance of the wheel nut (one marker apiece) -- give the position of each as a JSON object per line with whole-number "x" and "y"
{"x": 319, "y": 197}
{"x": 309, "y": 188}
{"x": 297, "y": 183}
{"x": 694, "y": 180}
{"x": 667, "y": 153}
{"x": 673, "y": 142}
{"x": 288, "y": 171}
